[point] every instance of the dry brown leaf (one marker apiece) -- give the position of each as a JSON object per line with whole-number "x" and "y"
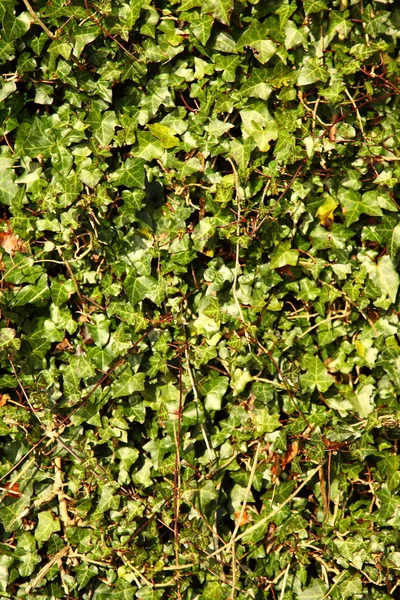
{"x": 83, "y": 318}
{"x": 276, "y": 467}
{"x": 64, "y": 345}
{"x": 242, "y": 519}
{"x": 13, "y": 490}
{"x": 4, "y": 398}
{"x": 11, "y": 242}
{"x": 291, "y": 453}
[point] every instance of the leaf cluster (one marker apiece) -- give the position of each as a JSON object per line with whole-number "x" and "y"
{"x": 199, "y": 348}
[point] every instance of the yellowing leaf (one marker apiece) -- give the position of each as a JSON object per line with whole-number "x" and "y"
{"x": 165, "y": 134}
{"x": 325, "y": 212}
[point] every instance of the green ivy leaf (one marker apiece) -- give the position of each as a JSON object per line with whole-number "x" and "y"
{"x": 312, "y": 72}
{"x": 128, "y": 385}
{"x": 354, "y": 205}
{"x": 47, "y": 525}
{"x": 313, "y": 6}
{"x": 201, "y": 28}
{"x": 214, "y": 390}
{"x": 316, "y": 375}
{"x": 283, "y": 255}
{"x": 316, "y": 591}
{"x": 220, "y": 9}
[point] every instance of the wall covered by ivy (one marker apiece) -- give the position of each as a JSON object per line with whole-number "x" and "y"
{"x": 199, "y": 349}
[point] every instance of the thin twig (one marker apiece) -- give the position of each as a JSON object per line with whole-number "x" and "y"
{"x": 135, "y": 570}
{"x": 58, "y": 490}
{"x": 346, "y": 91}
{"x": 38, "y": 20}
{"x": 240, "y": 517}
{"x": 322, "y": 485}
{"x": 281, "y": 596}
{"x": 291, "y": 394}
{"x": 107, "y": 33}
{"x": 16, "y": 478}
{"x": 196, "y": 399}
{"x": 271, "y": 515}
{"x": 43, "y": 572}
{"x": 237, "y": 254}
{"x": 328, "y": 593}
{"x": 287, "y": 188}
{"x": 72, "y": 274}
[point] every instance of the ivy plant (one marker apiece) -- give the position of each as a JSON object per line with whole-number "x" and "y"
{"x": 199, "y": 349}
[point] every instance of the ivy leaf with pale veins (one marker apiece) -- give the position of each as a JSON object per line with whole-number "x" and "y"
{"x": 199, "y": 256}
{"x": 316, "y": 375}
{"x": 220, "y": 9}
{"x": 311, "y": 72}
{"x": 284, "y": 255}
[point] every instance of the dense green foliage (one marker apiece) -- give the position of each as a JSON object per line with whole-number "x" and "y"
{"x": 199, "y": 345}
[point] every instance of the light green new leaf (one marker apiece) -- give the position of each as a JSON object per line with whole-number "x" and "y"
{"x": 7, "y": 335}
{"x": 207, "y": 494}
{"x": 240, "y": 378}
{"x": 214, "y": 389}
{"x": 7, "y": 88}
{"x": 61, "y": 47}
{"x": 137, "y": 288}
{"x": 157, "y": 449}
{"x": 352, "y": 549}
{"x": 213, "y": 310}
{"x": 394, "y": 242}
{"x": 294, "y": 36}
{"x": 8, "y": 189}
{"x": 47, "y": 525}
{"x": 135, "y": 6}
{"x": 351, "y": 588}
{"x": 255, "y": 86}
{"x": 283, "y": 255}
{"x": 264, "y": 421}
{"x": 285, "y": 11}
{"x": 216, "y": 128}
{"x": 108, "y": 499}
{"x": 264, "y": 50}
{"x": 316, "y": 375}
{"x": 143, "y": 475}
{"x": 28, "y": 563}
{"x": 165, "y": 134}
{"x": 363, "y": 402}
{"x": 387, "y": 277}
{"x": 256, "y": 32}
